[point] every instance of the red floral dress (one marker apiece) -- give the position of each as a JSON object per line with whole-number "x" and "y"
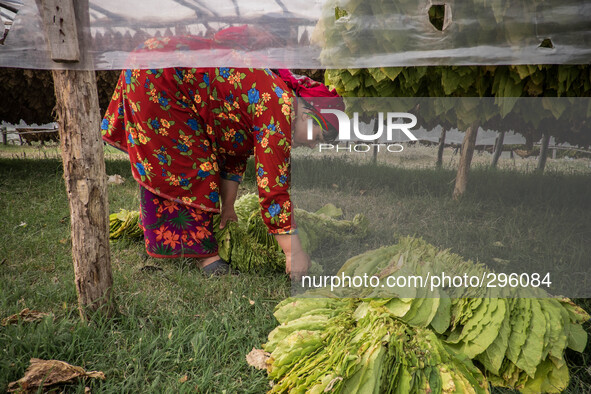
{"x": 186, "y": 129}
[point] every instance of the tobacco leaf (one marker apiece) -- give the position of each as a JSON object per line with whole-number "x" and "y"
{"x": 115, "y": 179}
{"x": 26, "y": 315}
{"x": 47, "y": 373}
{"x": 258, "y": 358}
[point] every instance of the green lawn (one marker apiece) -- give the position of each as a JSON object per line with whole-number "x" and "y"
{"x": 177, "y": 331}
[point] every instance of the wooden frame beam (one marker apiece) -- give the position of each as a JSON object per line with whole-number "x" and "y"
{"x": 59, "y": 19}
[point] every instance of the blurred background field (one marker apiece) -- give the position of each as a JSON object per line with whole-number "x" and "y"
{"x": 413, "y": 156}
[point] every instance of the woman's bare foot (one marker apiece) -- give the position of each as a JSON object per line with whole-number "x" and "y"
{"x": 202, "y": 263}
{"x": 214, "y": 266}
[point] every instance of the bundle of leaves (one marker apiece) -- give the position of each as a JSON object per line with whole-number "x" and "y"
{"x": 325, "y": 227}
{"x": 350, "y": 346}
{"x": 249, "y": 247}
{"x": 125, "y": 224}
{"x": 426, "y": 343}
{"x": 247, "y": 244}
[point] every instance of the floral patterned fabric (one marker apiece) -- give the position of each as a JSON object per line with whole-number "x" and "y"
{"x": 172, "y": 229}
{"x": 187, "y": 129}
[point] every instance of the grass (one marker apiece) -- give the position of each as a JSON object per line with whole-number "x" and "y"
{"x": 184, "y": 325}
{"x": 177, "y": 331}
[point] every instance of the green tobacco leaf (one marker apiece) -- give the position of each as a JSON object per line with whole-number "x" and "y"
{"x": 367, "y": 378}
{"x": 329, "y": 210}
{"x": 531, "y": 352}
{"x": 425, "y": 313}
{"x": 555, "y": 325}
{"x": 398, "y": 307}
{"x": 577, "y": 337}
{"x": 450, "y": 80}
{"x": 520, "y": 322}
{"x": 312, "y": 323}
{"x": 378, "y": 75}
{"x": 548, "y": 379}
{"x": 523, "y": 71}
{"x": 294, "y": 308}
{"x": 576, "y": 313}
{"x": 392, "y": 72}
{"x": 488, "y": 333}
{"x": 556, "y": 107}
{"x": 494, "y": 355}
{"x": 472, "y": 323}
{"x": 442, "y": 318}
{"x": 340, "y": 13}
{"x": 414, "y": 309}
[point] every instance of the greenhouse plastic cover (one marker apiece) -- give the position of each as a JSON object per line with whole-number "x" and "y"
{"x": 310, "y": 33}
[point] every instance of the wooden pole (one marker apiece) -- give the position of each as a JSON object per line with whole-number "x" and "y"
{"x": 543, "y": 152}
{"x": 465, "y": 160}
{"x": 86, "y": 185}
{"x": 82, "y": 156}
{"x": 440, "y": 149}
{"x": 498, "y": 149}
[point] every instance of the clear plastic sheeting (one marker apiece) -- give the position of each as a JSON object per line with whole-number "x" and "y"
{"x": 8, "y": 11}
{"x": 310, "y": 34}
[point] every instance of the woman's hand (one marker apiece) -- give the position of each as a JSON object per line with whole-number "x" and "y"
{"x": 228, "y": 191}
{"x": 297, "y": 264}
{"x": 297, "y": 261}
{"x": 227, "y": 214}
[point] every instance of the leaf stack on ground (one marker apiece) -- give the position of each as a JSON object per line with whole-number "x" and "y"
{"x": 125, "y": 224}
{"x": 247, "y": 244}
{"x": 453, "y": 340}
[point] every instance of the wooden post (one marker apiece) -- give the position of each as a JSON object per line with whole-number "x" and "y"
{"x": 83, "y": 158}
{"x": 440, "y": 149}
{"x": 59, "y": 19}
{"x": 465, "y": 160}
{"x": 498, "y": 148}
{"x": 4, "y": 136}
{"x": 543, "y": 152}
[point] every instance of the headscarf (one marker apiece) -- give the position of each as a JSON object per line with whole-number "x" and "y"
{"x": 315, "y": 95}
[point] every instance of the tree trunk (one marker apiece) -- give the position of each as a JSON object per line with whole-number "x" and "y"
{"x": 440, "y": 149}
{"x": 86, "y": 185}
{"x": 498, "y": 148}
{"x": 543, "y": 152}
{"x": 66, "y": 26}
{"x": 465, "y": 160}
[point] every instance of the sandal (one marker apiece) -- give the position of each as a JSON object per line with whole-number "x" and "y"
{"x": 217, "y": 268}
